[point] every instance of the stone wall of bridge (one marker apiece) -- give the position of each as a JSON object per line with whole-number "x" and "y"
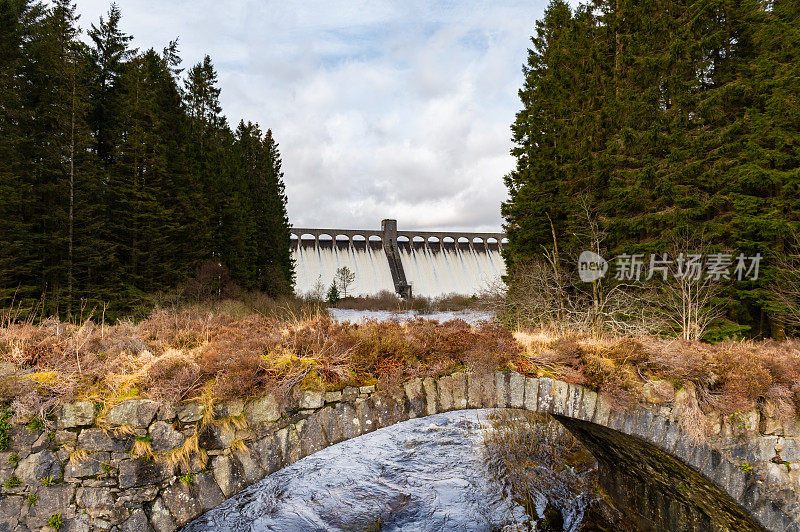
{"x": 142, "y": 465}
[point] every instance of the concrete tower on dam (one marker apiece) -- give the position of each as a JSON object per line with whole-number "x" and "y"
{"x": 420, "y": 263}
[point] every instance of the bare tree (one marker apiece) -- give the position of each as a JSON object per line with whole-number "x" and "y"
{"x": 344, "y": 278}
{"x": 786, "y": 287}
{"x": 690, "y": 299}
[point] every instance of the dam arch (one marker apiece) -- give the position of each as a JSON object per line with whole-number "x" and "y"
{"x": 646, "y": 459}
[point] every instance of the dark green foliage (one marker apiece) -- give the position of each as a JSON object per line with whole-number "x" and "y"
{"x": 5, "y": 429}
{"x": 333, "y": 295}
{"x": 118, "y": 178}
{"x": 662, "y": 117}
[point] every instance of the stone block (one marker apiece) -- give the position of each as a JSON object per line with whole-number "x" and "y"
{"x": 366, "y": 389}
{"x": 531, "y": 401}
{"x": 791, "y": 450}
{"x": 643, "y": 422}
{"x": 366, "y": 415}
{"x": 560, "y": 389}
{"x": 79, "y": 414}
{"x": 160, "y": 518}
{"x": 349, "y": 419}
{"x": 90, "y": 466}
{"x": 333, "y": 397}
{"x": 545, "y": 395}
{"x": 263, "y": 409}
{"x": 588, "y": 404}
{"x": 459, "y": 390}
{"x": 501, "y": 398}
{"x": 228, "y": 475}
{"x": 250, "y": 465}
{"x": 182, "y": 503}
{"x": 350, "y": 393}
{"x": 99, "y": 440}
{"x": 164, "y": 437}
{"x": 602, "y": 411}
{"x": 269, "y": 454}
{"x": 444, "y": 386}
{"x": 52, "y": 500}
{"x": 312, "y": 439}
{"x": 761, "y": 449}
{"x": 134, "y": 497}
{"x": 672, "y": 432}
{"x": 231, "y": 408}
{"x": 431, "y": 403}
{"x": 573, "y": 400}
{"x": 191, "y": 412}
{"x": 415, "y": 397}
{"x": 331, "y": 426}
{"x": 217, "y": 436}
{"x": 516, "y": 390}
{"x": 137, "y": 522}
{"x": 312, "y": 399}
{"x": 208, "y": 493}
{"x": 34, "y": 468}
{"x": 134, "y": 412}
{"x": 480, "y": 390}
{"x": 141, "y": 472}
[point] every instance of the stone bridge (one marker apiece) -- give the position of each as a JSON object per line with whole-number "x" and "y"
{"x": 143, "y": 466}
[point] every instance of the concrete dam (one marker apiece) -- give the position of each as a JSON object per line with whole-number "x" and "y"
{"x": 419, "y": 263}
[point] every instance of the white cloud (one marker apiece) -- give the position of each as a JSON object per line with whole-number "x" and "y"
{"x": 382, "y": 109}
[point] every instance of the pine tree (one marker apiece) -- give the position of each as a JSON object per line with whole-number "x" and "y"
{"x": 108, "y": 54}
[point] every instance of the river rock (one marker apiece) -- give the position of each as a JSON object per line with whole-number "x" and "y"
{"x": 134, "y": 412}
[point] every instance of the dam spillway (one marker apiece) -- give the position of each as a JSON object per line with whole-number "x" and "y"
{"x": 423, "y": 263}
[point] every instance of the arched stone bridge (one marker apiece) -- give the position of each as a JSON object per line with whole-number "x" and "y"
{"x": 646, "y": 461}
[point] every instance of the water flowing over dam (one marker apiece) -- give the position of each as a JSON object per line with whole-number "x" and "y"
{"x": 419, "y": 263}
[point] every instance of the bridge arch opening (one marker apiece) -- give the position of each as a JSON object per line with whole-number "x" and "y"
{"x": 448, "y": 240}
{"x": 358, "y": 238}
{"x": 306, "y": 237}
{"x": 647, "y": 462}
{"x": 375, "y": 238}
{"x": 324, "y": 237}
{"x": 491, "y": 240}
{"x": 477, "y": 240}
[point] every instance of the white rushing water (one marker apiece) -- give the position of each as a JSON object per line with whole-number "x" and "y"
{"x": 473, "y": 317}
{"x": 319, "y": 264}
{"x": 432, "y": 272}
{"x": 421, "y": 475}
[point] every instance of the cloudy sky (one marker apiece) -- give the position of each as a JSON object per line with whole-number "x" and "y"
{"x": 382, "y": 109}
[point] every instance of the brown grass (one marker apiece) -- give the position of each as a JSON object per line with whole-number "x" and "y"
{"x": 729, "y": 377}
{"x": 206, "y": 356}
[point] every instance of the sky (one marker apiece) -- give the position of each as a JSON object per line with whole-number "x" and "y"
{"x": 381, "y": 109}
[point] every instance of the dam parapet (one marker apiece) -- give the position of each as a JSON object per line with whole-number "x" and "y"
{"x": 422, "y": 263}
